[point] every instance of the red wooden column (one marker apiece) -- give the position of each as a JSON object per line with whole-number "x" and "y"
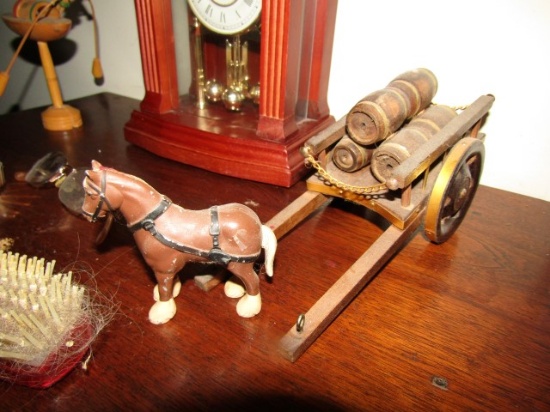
{"x": 296, "y": 50}
{"x": 277, "y": 118}
{"x": 322, "y": 38}
{"x": 156, "y": 38}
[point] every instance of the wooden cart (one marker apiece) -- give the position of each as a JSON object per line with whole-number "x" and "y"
{"x": 434, "y": 187}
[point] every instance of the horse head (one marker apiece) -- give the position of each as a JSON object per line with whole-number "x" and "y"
{"x": 100, "y": 197}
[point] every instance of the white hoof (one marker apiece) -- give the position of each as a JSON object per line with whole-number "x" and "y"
{"x": 162, "y": 312}
{"x": 249, "y": 305}
{"x": 175, "y": 291}
{"x": 233, "y": 288}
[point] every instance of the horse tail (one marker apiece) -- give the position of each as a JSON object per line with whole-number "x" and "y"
{"x": 269, "y": 244}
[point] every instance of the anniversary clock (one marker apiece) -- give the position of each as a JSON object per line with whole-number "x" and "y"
{"x": 234, "y": 86}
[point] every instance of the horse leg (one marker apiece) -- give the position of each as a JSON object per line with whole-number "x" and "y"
{"x": 165, "y": 308}
{"x": 251, "y": 303}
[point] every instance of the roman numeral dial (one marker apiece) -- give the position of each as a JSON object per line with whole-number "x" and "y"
{"x": 226, "y": 16}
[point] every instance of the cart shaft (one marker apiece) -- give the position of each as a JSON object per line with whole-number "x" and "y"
{"x": 344, "y": 290}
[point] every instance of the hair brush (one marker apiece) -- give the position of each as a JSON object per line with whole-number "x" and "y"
{"x": 46, "y": 325}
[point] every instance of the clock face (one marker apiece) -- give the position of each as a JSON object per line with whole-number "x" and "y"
{"x": 226, "y": 16}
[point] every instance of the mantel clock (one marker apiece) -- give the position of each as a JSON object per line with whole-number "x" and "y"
{"x": 234, "y": 86}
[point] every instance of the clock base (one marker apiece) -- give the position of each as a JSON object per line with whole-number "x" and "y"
{"x": 209, "y": 141}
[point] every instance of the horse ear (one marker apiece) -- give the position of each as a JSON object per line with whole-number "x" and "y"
{"x": 96, "y": 165}
{"x": 90, "y": 174}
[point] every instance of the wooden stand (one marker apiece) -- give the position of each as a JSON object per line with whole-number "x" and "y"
{"x": 59, "y": 116}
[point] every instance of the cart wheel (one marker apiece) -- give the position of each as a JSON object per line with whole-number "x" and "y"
{"x": 454, "y": 189}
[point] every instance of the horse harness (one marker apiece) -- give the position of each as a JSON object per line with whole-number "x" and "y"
{"x": 215, "y": 254}
{"x": 102, "y": 198}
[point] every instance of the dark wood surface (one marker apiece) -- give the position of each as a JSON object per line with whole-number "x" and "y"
{"x": 474, "y": 311}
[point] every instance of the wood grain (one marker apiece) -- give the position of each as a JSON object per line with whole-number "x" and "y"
{"x": 311, "y": 324}
{"x": 474, "y": 311}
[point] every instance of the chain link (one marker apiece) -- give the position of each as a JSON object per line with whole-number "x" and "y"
{"x": 326, "y": 177}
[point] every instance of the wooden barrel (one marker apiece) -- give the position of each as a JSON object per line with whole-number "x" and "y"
{"x": 377, "y": 115}
{"x": 381, "y": 113}
{"x": 402, "y": 144}
{"x": 419, "y": 85}
{"x": 350, "y": 156}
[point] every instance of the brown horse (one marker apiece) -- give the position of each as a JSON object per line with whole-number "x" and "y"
{"x": 168, "y": 236}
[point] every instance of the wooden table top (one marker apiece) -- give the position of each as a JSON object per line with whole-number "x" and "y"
{"x": 473, "y": 312}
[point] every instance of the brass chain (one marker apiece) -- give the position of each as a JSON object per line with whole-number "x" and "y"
{"x": 326, "y": 177}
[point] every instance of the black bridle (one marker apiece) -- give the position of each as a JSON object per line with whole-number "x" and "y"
{"x": 102, "y": 197}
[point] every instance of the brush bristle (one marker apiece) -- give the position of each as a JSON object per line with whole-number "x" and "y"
{"x": 38, "y": 308}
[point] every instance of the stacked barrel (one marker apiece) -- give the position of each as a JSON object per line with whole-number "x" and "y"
{"x": 402, "y": 144}
{"x": 375, "y": 131}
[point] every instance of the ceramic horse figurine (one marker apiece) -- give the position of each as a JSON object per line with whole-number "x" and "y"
{"x": 168, "y": 236}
